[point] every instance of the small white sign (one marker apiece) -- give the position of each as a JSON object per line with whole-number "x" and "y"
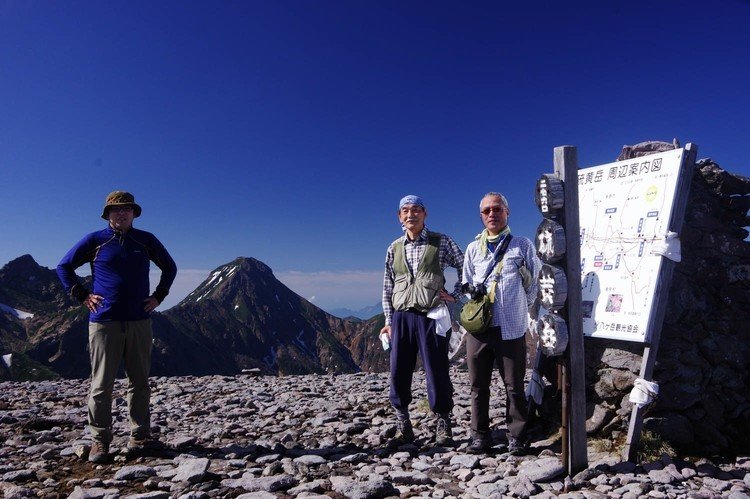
{"x": 625, "y": 208}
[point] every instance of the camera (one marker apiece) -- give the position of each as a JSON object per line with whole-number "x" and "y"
{"x": 475, "y": 292}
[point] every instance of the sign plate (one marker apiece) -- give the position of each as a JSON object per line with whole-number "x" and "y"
{"x": 625, "y": 208}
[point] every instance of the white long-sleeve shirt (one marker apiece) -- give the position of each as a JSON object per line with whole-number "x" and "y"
{"x": 511, "y": 300}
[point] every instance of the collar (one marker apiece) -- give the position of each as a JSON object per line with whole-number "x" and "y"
{"x": 112, "y": 231}
{"x": 483, "y": 242}
{"x": 423, "y": 236}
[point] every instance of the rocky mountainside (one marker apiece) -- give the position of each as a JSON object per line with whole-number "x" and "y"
{"x": 243, "y": 317}
{"x": 38, "y": 318}
{"x": 240, "y": 317}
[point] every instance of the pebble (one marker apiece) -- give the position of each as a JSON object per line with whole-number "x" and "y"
{"x": 306, "y": 436}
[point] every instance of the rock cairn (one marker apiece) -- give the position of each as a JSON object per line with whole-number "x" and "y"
{"x": 305, "y": 436}
{"x": 703, "y": 363}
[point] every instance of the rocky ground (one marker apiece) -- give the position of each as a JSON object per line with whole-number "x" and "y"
{"x": 306, "y": 436}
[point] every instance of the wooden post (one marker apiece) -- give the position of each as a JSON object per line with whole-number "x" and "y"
{"x": 562, "y": 382}
{"x": 656, "y": 320}
{"x": 566, "y": 167}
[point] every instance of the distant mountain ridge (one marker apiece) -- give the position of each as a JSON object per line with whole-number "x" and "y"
{"x": 362, "y": 313}
{"x": 240, "y": 317}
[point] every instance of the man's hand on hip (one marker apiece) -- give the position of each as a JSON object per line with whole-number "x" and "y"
{"x": 92, "y": 301}
{"x": 151, "y": 303}
{"x": 445, "y": 296}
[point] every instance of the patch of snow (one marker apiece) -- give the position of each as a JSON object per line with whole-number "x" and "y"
{"x": 214, "y": 275}
{"x": 301, "y": 342}
{"x": 15, "y": 313}
{"x": 270, "y": 359}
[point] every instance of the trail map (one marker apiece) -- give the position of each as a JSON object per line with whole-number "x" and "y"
{"x": 625, "y": 209}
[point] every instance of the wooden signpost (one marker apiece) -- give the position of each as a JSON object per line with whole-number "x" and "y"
{"x": 603, "y": 275}
{"x": 558, "y": 242}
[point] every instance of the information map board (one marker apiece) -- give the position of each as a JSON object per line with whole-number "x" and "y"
{"x": 625, "y": 208}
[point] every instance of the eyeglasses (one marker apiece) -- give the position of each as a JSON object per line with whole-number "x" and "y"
{"x": 116, "y": 209}
{"x": 492, "y": 209}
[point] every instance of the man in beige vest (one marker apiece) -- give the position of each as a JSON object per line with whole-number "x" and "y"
{"x": 412, "y": 288}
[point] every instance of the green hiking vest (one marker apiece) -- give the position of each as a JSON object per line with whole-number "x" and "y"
{"x": 421, "y": 291}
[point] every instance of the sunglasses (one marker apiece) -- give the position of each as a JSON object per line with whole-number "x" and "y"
{"x": 118, "y": 209}
{"x": 492, "y": 209}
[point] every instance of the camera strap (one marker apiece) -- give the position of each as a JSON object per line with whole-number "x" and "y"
{"x": 497, "y": 256}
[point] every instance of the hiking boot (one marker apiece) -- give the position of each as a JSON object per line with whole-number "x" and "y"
{"x": 480, "y": 443}
{"x": 443, "y": 430}
{"x": 99, "y": 452}
{"x": 404, "y": 432}
{"x": 143, "y": 445}
{"x": 517, "y": 447}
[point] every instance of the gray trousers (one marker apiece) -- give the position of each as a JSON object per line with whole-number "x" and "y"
{"x": 482, "y": 352}
{"x": 109, "y": 344}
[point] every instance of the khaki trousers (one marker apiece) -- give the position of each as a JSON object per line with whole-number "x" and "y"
{"x": 109, "y": 344}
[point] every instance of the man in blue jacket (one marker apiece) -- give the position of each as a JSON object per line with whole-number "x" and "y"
{"x": 120, "y": 323}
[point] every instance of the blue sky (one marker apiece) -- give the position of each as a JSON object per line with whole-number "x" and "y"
{"x": 288, "y": 130}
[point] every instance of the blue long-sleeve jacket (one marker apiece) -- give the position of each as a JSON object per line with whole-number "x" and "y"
{"x": 119, "y": 268}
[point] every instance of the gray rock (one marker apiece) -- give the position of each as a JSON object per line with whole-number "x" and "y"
{"x": 181, "y": 442}
{"x": 369, "y": 489}
{"x": 149, "y": 495}
{"x": 94, "y": 493}
{"x": 716, "y": 484}
{"x": 191, "y": 470}
{"x": 314, "y": 486}
{"x": 521, "y": 486}
{"x": 465, "y": 461}
{"x": 194, "y": 495}
{"x": 492, "y": 489}
{"x": 136, "y": 472}
{"x": 484, "y": 478}
{"x": 257, "y": 495}
{"x": 542, "y": 470}
{"x": 410, "y": 478}
{"x": 310, "y": 460}
{"x": 268, "y": 484}
{"x": 19, "y": 476}
{"x": 661, "y": 476}
{"x": 354, "y": 458}
{"x": 17, "y": 492}
{"x": 268, "y": 458}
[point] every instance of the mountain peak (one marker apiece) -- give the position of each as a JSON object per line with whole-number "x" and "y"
{"x": 22, "y": 264}
{"x": 232, "y": 278}
{"x": 249, "y": 263}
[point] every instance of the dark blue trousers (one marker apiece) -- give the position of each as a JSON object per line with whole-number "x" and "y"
{"x": 413, "y": 332}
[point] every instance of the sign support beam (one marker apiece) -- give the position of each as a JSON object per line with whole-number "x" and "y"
{"x": 664, "y": 280}
{"x": 566, "y": 167}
